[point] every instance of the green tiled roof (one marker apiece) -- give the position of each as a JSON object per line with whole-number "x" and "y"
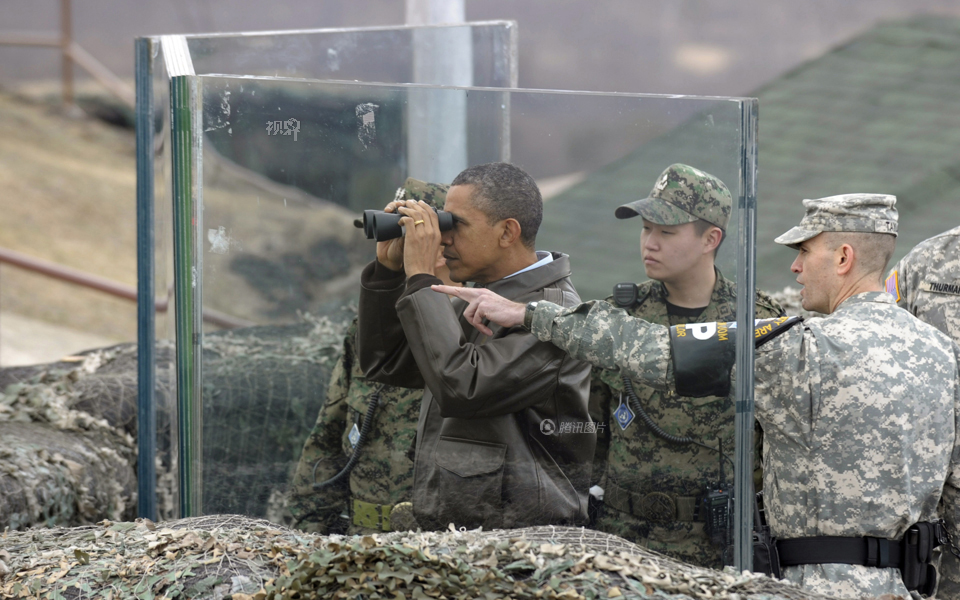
{"x": 878, "y": 114}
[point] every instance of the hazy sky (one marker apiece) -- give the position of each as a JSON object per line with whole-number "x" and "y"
{"x": 707, "y": 47}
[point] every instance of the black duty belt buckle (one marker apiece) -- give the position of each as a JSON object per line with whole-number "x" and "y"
{"x": 878, "y": 553}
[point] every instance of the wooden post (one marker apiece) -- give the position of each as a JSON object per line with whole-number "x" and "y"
{"x": 66, "y": 62}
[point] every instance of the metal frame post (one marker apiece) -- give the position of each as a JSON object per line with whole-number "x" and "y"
{"x": 746, "y": 286}
{"x": 146, "y": 327}
{"x": 185, "y": 282}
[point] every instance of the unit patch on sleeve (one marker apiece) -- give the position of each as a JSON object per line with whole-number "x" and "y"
{"x": 893, "y": 286}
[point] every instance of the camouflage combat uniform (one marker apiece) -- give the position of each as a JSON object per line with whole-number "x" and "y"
{"x": 860, "y": 411}
{"x": 844, "y": 439}
{"x": 926, "y": 282}
{"x": 652, "y": 487}
{"x": 641, "y": 468}
{"x": 384, "y": 473}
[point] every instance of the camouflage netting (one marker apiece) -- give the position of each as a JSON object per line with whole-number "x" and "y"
{"x": 224, "y": 556}
{"x": 59, "y": 464}
{"x": 69, "y": 458}
{"x": 262, "y": 391}
{"x": 69, "y": 452}
{"x": 262, "y": 388}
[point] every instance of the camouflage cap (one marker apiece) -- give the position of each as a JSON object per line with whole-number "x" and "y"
{"x": 681, "y": 195}
{"x": 864, "y": 213}
{"x": 434, "y": 194}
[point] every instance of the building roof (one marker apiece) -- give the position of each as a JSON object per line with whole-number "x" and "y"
{"x": 880, "y": 113}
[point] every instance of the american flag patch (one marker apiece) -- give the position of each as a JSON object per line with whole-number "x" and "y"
{"x": 893, "y": 286}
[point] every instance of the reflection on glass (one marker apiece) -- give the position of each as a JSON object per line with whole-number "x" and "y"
{"x": 468, "y": 54}
{"x": 284, "y": 169}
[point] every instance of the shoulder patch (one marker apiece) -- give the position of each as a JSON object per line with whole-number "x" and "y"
{"x": 893, "y": 285}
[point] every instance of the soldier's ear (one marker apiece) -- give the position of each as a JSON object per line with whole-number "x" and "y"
{"x": 712, "y": 238}
{"x": 844, "y": 256}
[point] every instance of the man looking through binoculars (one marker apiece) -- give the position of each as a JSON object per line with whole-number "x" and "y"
{"x": 489, "y": 452}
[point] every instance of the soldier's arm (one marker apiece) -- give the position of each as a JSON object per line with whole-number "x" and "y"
{"x": 698, "y": 356}
{"x": 498, "y": 375}
{"x": 608, "y": 337}
{"x": 694, "y": 359}
{"x": 950, "y": 508}
{"x": 766, "y": 307}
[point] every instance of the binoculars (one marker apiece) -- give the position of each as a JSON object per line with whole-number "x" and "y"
{"x": 382, "y": 226}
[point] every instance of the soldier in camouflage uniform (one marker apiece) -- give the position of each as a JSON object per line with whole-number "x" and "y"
{"x": 652, "y": 487}
{"x": 926, "y": 282}
{"x": 383, "y": 475}
{"x": 860, "y": 409}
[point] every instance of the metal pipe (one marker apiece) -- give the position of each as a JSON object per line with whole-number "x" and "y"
{"x": 30, "y": 39}
{"x": 102, "y": 74}
{"x": 102, "y": 284}
{"x": 51, "y": 269}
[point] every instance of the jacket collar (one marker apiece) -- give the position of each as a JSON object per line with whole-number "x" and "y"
{"x": 717, "y": 310}
{"x": 536, "y": 279}
{"x": 865, "y": 297}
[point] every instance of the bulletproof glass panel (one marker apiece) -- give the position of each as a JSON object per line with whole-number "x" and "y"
{"x": 482, "y": 53}
{"x": 274, "y": 174}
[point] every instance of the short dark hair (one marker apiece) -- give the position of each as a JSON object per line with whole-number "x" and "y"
{"x": 504, "y": 191}
{"x": 874, "y": 250}
{"x": 701, "y": 226}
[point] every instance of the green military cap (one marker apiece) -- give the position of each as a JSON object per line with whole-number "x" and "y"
{"x": 434, "y": 194}
{"x": 681, "y": 195}
{"x": 864, "y": 213}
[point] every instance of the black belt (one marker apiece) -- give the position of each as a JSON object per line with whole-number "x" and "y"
{"x": 866, "y": 551}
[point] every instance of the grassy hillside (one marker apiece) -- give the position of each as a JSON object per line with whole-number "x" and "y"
{"x": 68, "y": 195}
{"x": 67, "y": 189}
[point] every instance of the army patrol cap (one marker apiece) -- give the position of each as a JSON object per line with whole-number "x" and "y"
{"x": 681, "y": 195}
{"x": 863, "y": 213}
{"x": 434, "y": 194}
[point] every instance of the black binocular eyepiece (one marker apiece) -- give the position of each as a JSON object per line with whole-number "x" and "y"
{"x": 379, "y": 225}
